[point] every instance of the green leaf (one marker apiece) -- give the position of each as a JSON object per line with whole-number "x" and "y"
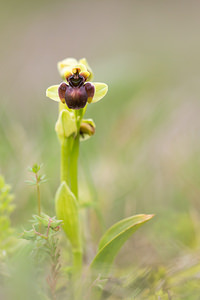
{"x": 29, "y": 235}
{"x": 100, "y": 91}
{"x": 113, "y": 240}
{"x": 52, "y": 93}
{"x": 47, "y": 221}
{"x": 35, "y": 168}
{"x": 67, "y": 210}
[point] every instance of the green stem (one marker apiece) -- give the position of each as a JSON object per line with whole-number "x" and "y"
{"x": 74, "y": 166}
{"x": 77, "y": 253}
{"x": 65, "y": 160}
{"x": 77, "y": 264}
{"x": 69, "y": 174}
{"x": 39, "y": 202}
{"x": 77, "y": 260}
{"x": 75, "y": 154}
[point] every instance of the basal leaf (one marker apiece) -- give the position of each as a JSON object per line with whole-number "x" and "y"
{"x": 113, "y": 240}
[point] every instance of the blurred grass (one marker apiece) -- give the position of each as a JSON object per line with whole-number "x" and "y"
{"x": 144, "y": 157}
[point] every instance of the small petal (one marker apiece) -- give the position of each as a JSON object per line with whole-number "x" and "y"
{"x": 100, "y": 91}
{"x": 85, "y": 74}
{"x": 52, "y": 93}
{"x": 67, "y": 74}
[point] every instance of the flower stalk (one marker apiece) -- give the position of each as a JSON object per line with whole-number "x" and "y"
{"x": 66, "y": 146}
{"x": 38, "y": 195}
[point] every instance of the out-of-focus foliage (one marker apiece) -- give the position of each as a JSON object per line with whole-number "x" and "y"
{"x": 6, "y": 208}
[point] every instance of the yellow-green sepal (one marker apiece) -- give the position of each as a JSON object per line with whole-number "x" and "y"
{"x": 84, "y": 62}
{"x": 52, "y": 92}
{"x": 66, "y": 124}
{"x": 101, "y": 90}
{"x": 67, "y": 210}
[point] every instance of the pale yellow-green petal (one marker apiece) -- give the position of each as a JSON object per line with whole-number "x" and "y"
{"x": 66, "y": 64}
{"x": 100, "y": 91}
{"x": 52, "y": 93}
{"x": 84, "y": 62}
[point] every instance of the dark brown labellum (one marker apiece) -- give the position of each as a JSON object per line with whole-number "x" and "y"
{"x": 77, "y": 93}
{"x": 76, "y": 97}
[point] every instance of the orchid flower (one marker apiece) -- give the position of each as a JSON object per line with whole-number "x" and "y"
{"x": 77, "y": 89}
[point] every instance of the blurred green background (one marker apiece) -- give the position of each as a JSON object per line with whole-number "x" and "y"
{"x": 145, "y": 155}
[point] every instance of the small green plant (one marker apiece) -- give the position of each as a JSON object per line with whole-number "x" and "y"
{"x": 45, "y": 246}
{"x": 74, "y": 95}
{"x": 37, "y": 179}
{"x": 44, "y": 235}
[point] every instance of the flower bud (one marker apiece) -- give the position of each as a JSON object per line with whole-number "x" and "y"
{"x": 87, "y": 129}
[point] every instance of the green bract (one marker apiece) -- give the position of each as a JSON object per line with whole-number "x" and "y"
{"x": 66, "y": 124}
{"x": 67, "y": 210}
